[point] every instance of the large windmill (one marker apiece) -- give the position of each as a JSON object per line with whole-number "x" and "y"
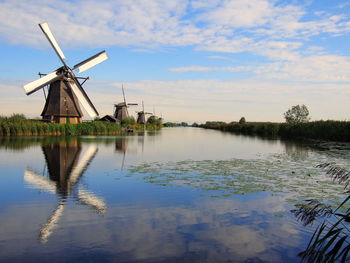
{"x": 121, "y": 109}
{"x": 65, "y": 91}
{"x": 65, "y": 168}
{"x": 141, "y": 115}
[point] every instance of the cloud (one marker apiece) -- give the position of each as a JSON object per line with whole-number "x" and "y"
{"x": 222, "y": 26}
{"x": 318, "y": 68}
{"x": 199, "y": 100}
{"x": 277, "y": 37}
{"x": 205, "y": 69}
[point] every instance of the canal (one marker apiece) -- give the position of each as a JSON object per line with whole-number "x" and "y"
{"x": 176, "y": 195}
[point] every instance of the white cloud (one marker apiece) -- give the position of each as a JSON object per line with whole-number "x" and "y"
{"x": 278, "y": 32}
{"x": 318, "y": 68}
{"x": 199, "y": 100}
{"x": 223, "y": 26}
{"x": 206, "y": 69}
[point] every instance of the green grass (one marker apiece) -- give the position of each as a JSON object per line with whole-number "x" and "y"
{"x": 19, "y": 125}
{"x": 322, "y": 130}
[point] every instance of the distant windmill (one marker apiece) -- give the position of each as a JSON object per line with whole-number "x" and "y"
{"x": 121, "y": 109}
{"x": 65, "y": 92}
{"x": 141, "y": 115}
{"x": 65, "y": 169}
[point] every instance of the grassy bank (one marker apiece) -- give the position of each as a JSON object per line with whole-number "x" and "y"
{"x": 18, "y": 125}
{"x": 322, "y": 130}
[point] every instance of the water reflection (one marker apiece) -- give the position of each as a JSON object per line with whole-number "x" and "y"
{"x": 184, "y": 195}
{"x": 65, "y": 166}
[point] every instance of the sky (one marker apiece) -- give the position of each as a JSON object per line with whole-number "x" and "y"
{"x": 189, "y": 60}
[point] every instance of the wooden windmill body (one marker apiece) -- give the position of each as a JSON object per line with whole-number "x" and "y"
{"x": 121, "y": 109}
{"x": 62, "y": 105}
{"x": 141, "y": 115}
{"x": 65, "y": 90}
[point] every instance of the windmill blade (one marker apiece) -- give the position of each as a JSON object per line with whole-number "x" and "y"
{"x": 41, "y": 82}
{"x": 39, "y": 182}
{"x": 123, "y": 94}
{"x": 90, "y": 62}
{"x": 83, "y": 98}
{"x": 123, "y": 161}
{"x": 82, "y": 164}
{"x": 91, "y": 200}
{"x": 47, "y": 229}
{"x": 47, "y": 32}
{"x": 132, "y": 104}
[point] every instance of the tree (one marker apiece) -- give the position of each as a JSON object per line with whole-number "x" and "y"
{"x": 242, "y": 120}
{"x": 184, "y": 124}
{"x": 297, "y": 114}
{"x": 153, "y": 120}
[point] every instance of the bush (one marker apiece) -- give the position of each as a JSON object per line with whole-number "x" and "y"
{"x": 242, "y": 120}
{"x": 297, "y": 114}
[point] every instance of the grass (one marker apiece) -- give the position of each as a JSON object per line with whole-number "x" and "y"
{"x": 19, "y": 125}
{"x": 322, "y": 130}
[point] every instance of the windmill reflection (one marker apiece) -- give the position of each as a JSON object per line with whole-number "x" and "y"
{"x": 66, "y": 163}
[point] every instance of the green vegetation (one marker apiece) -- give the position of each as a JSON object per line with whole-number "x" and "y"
{"x": 128, "y": 121}
{"x": 174, "y": 124}
{"x": 19, "y": 125}
{"x": 242, "y": 120}
{"x": 297, "y": 114}
{"x": 321, "y": 130}
{"x": 265, "y": 128}
{"x": 331, "y": 239}
{"x": 289, "y": 174}
{"x": 153, "y": 120}
{"x": 297, "y": 125}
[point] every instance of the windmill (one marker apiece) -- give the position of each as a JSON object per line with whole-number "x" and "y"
{"x": 65, "y": 91}
{"x": 65, "y": 168}
{"x": 121, "y": 109}
{"x": 141, "y": 115}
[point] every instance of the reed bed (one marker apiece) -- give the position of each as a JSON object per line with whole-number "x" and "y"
{"x": 18, "y": 125}
{"x": 322, "y": 130}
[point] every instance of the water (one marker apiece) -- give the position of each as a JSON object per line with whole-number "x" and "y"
{"x": 178, "y": 195}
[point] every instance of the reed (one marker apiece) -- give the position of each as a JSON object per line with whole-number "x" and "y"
{"x": 18, "y": 125}
{"x": 322, "y": 130}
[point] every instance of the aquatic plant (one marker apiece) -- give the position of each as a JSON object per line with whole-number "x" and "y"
{"x": 280, "y": 173}
{"x": 331, "y": 239}
{"x": 19, "y": 125}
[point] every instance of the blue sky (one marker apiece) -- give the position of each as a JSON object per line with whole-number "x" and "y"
{"x": 190, "y": 60}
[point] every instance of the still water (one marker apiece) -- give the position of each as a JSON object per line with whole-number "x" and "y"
{"x": 177, "y": 195}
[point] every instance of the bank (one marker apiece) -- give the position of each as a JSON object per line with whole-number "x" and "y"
{"x": 320, "y": 130}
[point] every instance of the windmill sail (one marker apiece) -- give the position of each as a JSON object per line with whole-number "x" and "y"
{"x": 65, "y": 157}
{"x": 91, "y": 200}
{"x": 62, "y": 113}
{"x": 39, "y": 83}
{"x": 47, "y": 32}
{"x": 47, "y": 229}
{"x": 39, "y": 182}
{"x": 90, "y": 62}
{"x": 83, "y": 98}
{"x": 83, "y": 163}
